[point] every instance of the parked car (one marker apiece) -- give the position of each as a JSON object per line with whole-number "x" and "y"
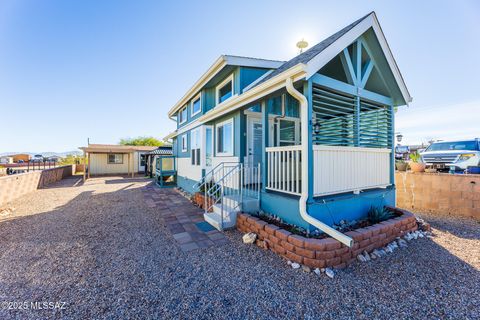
{"x": 457, "y": 154}
{"x": 37, "y": 158}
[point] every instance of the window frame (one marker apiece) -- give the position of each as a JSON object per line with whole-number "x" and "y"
{"x": 220, "y": 86}
{"x": 182, "y": 120}
{"x": 217, "y": 127}
{"x": 184, "y": 143}
{"x": 114, "y": 154}
{"x": 195, "y": 149}
{"x": 296, "y": 121}
{"x": 199, "y": 98}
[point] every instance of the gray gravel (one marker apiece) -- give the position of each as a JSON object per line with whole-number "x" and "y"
{"x": 100, "y": 249}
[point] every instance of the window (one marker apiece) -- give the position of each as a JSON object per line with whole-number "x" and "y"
{"x": 195, "y": 145}
{"x": 286, "y": 133}
{"x": 114, "y": 158}
{"x": 184, "y": 143}
{"x": 225, "y": 90}
{"x": 182, "y": 115}
{"x": 225, "y": 138}
{"x": 196, "y": 105}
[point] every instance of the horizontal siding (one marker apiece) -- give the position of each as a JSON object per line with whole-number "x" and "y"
{"x": 99, "y": 164}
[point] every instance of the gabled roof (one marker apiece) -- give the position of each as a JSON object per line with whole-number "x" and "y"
{"x": 311, "y": 53}
{"x": 218, "y": 65}
{"x": 304, "y": 66}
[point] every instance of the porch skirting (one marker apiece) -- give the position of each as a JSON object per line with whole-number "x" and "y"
{"x": 328, "y": 252}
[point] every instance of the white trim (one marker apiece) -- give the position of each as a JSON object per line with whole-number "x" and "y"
{"x": 186, "y": 115}
{"x": 204, "y": 146}
{"x": 218, "y": 65}
{"x": 344, "y": 41}
{"x": 217, "y": 126}
{"x": 273, "y": 84}
{"x": 197, "y": 97}
{"x": 184, "y": 137}
{"x": 220, "y": 86}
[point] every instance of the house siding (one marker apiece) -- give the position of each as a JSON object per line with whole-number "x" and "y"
{"x": 99, "y": 164}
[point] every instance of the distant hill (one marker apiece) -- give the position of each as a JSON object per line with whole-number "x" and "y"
{"x": 46, "y": 153}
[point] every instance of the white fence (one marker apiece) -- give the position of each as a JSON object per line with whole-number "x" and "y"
{"x": 335, "y": 169}
{"x": 346, "y": 169}
{"x": 284, "y": 169}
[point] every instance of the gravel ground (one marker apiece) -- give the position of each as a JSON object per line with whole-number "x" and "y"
{"x": 101, "y": 250}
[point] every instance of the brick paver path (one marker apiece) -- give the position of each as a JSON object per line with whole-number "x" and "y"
{"x": 181, "y": 218}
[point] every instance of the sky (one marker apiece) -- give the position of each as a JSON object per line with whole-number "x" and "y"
{"x": 106, "y": 70}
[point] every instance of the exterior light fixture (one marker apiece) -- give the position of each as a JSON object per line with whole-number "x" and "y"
{"x": 399, "y": 137}
{"x": 316, "y": 127}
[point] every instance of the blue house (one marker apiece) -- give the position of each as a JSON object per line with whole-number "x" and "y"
{"x": 309, "y": 140}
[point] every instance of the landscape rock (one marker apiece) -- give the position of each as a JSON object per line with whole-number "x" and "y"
{"x": 306, "y": 268}
{"x": 361, "y": 258}
{"x": 330, "y": 273}
{"x": 295, "y": 265}
{"x": 249, "y": 238}
{"x": 317, "y": 271}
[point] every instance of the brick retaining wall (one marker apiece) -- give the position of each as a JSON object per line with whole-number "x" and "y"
{"x": 456, "y": 194}
{"x": 328, "y": 252}
{"x": 16, "y": 185}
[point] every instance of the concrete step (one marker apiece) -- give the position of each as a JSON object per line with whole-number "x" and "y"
{"x": 214, "y": 219}
{"x": 248, "y": 204}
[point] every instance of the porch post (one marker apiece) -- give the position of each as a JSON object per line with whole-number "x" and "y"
{"x": 307, "y": 88}
{"x": 133, "y": 165}
{"x": 84, "y": 165}
{"x": 128, "y": 165}
{"x": 88, "y": 164}
{"x": 392, "y": 137}
{"x": 265, "y": 140}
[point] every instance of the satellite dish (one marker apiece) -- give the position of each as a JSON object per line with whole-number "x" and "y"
{"x": 302, "y": 44}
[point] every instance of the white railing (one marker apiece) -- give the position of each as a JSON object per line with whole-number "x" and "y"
{"x": 347, "y": 169}
{"x": 335, "y": 169}
{"x": 284, "y": 169}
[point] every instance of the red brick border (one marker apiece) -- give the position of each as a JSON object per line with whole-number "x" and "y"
{"x": 199, "y": 199}
{"x": 328, "y": 252}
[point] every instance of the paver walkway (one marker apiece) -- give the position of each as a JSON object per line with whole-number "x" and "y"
{"x": 182, "y": 219}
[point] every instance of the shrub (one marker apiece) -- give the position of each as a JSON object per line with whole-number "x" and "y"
{"x": 379, "y": 214}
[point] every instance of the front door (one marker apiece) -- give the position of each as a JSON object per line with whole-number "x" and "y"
{"x": 208, "y": 148}
{"x": 141, "y": 162}
{"x": 254, "y": 141}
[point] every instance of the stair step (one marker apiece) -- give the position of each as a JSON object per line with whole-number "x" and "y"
{"x": 214, "y": 218}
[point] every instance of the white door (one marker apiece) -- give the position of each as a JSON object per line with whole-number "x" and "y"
{"x": 254, "y": 141}
{"x": 208, "y": 148}
{"x": 141, "y": 162}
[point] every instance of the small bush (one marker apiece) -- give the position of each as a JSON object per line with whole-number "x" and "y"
{"x": 379, "y": 214}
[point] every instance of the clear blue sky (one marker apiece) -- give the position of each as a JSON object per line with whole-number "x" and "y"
{"x": 112, "y": 69}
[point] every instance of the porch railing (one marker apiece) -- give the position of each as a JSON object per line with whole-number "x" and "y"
{"x": 346, "y": 169}
{"x": 336, "y": 169}
{"x": 284, "y": 169}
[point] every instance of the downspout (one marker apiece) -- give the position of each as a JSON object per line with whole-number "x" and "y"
{"x": 302, "y": 203}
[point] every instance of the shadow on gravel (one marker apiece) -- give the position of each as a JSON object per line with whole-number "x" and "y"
{"x": 109, "y": 256}
{"x": 462, "y": 227}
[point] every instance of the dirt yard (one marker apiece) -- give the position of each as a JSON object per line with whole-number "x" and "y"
{"x": 101, "y": 250}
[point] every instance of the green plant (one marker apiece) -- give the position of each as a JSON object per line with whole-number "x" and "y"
{"x": 416, "y": 157}
{"x": 141, "y": 141}
{"x": 379, "y": 214}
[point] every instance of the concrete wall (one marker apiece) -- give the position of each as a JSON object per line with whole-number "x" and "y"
{"x": 439, "y": 192}
{"x": 15, "y": 186}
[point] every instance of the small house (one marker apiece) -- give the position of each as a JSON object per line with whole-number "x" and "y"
{"x": 109, "y": 159}
{"x": 309, "y": 140}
